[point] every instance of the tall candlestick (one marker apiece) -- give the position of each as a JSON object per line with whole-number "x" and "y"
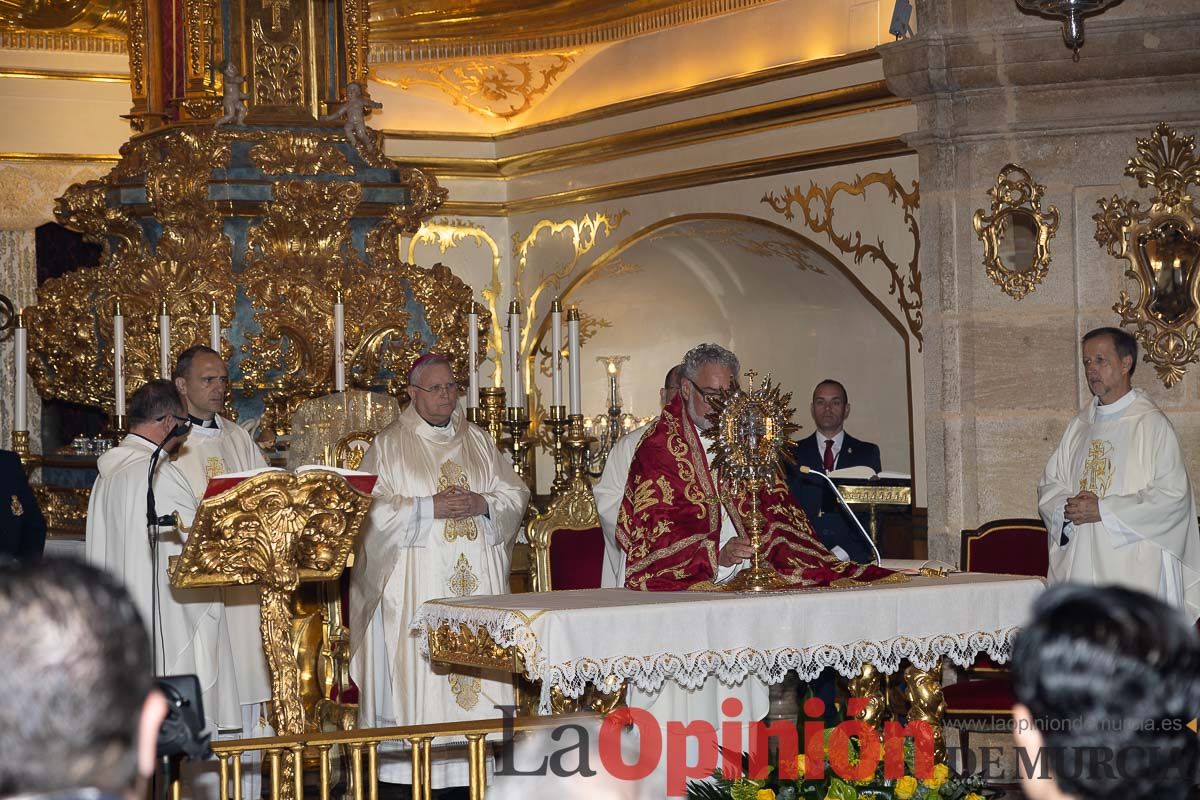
{"x": 472, "y": 359}
{"x": 164, "y": 341}
{"x": 339, "y": 343}
{"x": 556, "y": 353}
{"x": 514, "y": 354}
{"x": 118, "y": 361}
{"x": 20, "y": 413}
{"x": 573, "y": 354}
{"x": 214, "y": 327}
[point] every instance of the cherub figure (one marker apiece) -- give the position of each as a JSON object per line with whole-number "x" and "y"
{"x": 354, "y": 112}
{"x": 235, "y": 109}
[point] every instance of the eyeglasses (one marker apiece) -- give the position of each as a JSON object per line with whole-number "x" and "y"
{"x": 441, "y": 388}
{"x": 707, "y": 394}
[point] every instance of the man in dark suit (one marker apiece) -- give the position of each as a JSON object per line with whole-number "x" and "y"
{"x": 22, "y": 527}
{"x": 827, "y": 449}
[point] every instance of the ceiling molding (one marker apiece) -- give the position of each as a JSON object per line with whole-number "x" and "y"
{"x": 60, "y": 41}
{"x": 702, "y": 176}
{"x": 426, "y": 30}
{"x": 732, "y": 83}
{"x": 816, "y": 107}
{"x": 91, "y": 158}
{"x": 64, "y": 75}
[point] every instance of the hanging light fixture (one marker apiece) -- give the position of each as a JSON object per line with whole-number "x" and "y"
{"x": 1072, "y": 13}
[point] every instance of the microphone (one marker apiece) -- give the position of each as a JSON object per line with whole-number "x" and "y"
{"x": 850, "y": 511}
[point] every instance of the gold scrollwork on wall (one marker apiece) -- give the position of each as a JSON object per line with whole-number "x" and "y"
{"x": 1162, "y": 246}
{"x": 499, "y": 88}
{"x": 1016, "y": 235}
{"x": 905, "y": 284}
{"x": 278, "y": 80}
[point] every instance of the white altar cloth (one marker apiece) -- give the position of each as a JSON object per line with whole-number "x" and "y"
{"x": 569, "y": 639}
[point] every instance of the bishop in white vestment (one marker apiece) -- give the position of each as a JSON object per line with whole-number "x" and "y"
{"x": 189, "y": 630}
{"x": 217, "y": 446}
{"x": 1116, "y": 497}
{"x": 446, "y": 512}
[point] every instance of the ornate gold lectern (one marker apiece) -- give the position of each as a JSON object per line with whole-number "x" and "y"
{"x": 275, "y": 530}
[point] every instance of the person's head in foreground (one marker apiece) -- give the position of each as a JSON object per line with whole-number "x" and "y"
{"x": 78, "y": 708}
{"x": 1106, "y": 680}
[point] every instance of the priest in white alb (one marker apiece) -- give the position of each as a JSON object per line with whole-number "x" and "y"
{"x": 1116, "y": 497}
{"x": 218, "y": 446}
{"x": 446, "y": 512}
{"x": 188, "y": 631}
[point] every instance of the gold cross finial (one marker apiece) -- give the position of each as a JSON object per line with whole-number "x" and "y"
{"x": 751, "y": 374}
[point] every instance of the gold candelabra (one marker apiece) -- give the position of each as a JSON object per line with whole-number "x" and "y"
{"x": 519, "y": 441}
{"x": 576, "y": 445}
{"x": 751, "y": 430}
{"x": 490, "y": 413}
{"x": 558, "y": 423}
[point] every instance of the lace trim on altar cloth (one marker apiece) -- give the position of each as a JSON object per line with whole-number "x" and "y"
{"x": 690, "y": 670}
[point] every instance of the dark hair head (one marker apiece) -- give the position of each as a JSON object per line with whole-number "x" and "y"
{"x": 1123, "y": 343}
{"x": 184, "y": 362}
{"x": 76, "y": 672}
{"x": 1112, "y": 671}
{"x": 674, "y": 377}
{"x": 152, "y": 401}
{"x": 832, "y": 382}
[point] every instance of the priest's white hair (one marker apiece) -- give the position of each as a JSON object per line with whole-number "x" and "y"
{"x": 708, "y": 353}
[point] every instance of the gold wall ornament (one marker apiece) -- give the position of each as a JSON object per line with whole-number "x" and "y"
{"x": 499, "y": 88}
{"x": 1162, "y": 246}
{"x": 106, "y": 17}
{"x": 906, "y": 285}
{"x": 278, "y": 73}
{"x": 1016, "y": 235}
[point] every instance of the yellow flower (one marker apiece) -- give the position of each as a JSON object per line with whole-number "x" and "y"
{"x": 973, "y": 796}
{"x": 906, "y": 787}
{"x": 800, "y": 765}
{"x": 939, "y": 777}
{"x": 765, "y": 794}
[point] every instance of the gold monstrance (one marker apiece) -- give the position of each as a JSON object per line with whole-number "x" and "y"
{"x": 751, "y": 431}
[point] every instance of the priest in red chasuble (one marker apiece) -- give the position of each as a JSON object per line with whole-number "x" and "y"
{"x": 675, "y": 531}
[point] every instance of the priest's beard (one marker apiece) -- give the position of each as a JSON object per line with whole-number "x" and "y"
{"x": 699, "y": 418}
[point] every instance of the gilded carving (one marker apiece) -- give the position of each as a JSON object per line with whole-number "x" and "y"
{"x": 500, "y": 88}
{"x": 1162, "y": 246}
{"x": 137, "y": 51}
{"x": 274, "y": 530}
{"x": 867, "y": 686}
{"x": 923, "y": 690}
{"x": 355, "y": 23}
{"x": 78, "y": 16}
{"x": 281, "y": 153}
{"x": 906, "y": 285}
{"x": 471, "y": 647}
{"x": 65, "y": 509}
{"x": 1016, "y": 212}
{"x": 278, "y": 70}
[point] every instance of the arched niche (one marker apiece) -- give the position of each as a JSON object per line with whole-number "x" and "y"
{"x": 780, "y": 301}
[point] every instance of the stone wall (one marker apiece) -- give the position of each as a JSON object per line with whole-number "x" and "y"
{"x": 994, "y": 85}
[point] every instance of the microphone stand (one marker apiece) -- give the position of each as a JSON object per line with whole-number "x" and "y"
{"x": 850, "y": 511}
{"x": 152, "y": 523}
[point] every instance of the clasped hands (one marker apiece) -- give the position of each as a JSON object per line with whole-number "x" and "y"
{"x": 1083, "y": 508}
{"x": 458, "y": 503}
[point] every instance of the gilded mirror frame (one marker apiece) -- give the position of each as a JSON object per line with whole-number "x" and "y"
{"x": 1014, "y": 194}
{"x": 1167, "y": 162}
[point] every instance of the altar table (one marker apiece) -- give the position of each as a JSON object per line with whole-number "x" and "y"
{"x": 603, "y": 637}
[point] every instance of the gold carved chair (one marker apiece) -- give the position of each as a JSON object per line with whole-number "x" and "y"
{"x": 349, "y": 451}
{"x": 567, "y": 542}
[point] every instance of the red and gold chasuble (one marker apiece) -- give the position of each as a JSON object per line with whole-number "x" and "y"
{"x": 670, "y": 519}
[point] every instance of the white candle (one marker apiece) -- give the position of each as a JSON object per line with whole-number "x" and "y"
{"x": 556, "y": 353}
{"x": 119, "y": 361}
{"x": 612, "y": 385}
{"x": 339, "y": 343}
{"x": 514, "y": 354}
{"x": 573, "y": 355}
{"x": 214, "y": 328}
{"x": 20, "y": 413}
{"x": 164, "y": 341}
{"x": 472, "y": 360}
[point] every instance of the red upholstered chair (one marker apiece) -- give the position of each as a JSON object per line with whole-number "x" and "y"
{"x": 983, "y": 697}
{"x": 567, "y": 543}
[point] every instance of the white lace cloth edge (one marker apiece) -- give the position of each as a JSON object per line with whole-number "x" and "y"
{"x": 690, "y": 670}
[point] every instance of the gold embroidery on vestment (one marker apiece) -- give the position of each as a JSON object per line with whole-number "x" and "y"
{"x": 17, "y": 508}
{"x": 463, "y": 580}
{"x": 454, "y": 475}
{"x": 643, "y": 496}
{"x": 465, "y": 689}
{"x": 668, "y": 494}
{"x": 214, "y": 466}
{"x": 1098, "y": 469}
